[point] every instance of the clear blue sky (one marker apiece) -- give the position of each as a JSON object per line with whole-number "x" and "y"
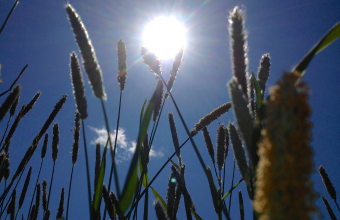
{"x": 39, "y": 34}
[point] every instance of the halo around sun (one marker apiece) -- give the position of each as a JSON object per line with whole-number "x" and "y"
{"x": 164, "y": 36}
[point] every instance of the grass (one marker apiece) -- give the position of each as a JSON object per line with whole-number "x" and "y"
{"x": 271, "y": 159}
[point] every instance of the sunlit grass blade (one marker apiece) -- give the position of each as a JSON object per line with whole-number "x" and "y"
{"x": 326, "y": 40}
{"x": 131, "y": 179}
{"x": 100, "y": 181}
{"x": 230, "y": 190}
{"x": 195, "y": 214}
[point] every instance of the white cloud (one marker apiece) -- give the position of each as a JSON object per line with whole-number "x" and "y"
{"x": 125, "y": 149}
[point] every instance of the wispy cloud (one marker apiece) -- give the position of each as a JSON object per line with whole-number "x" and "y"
{"x": 125, "y": 148}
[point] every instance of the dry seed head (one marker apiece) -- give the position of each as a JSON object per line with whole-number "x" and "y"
{"x": 11, "y": 206}
{"x": 14, "y": 126}
{"x": 285, "y": 154}
{"x": 174, "y": 136}
{"x": 24, "y": 189}
{"x": 55, "y": 141}
{"x": 206, "y": 120}
{"x": 226, "y": 150}
{"x": 160, "y": 212}
{"x": 251, "y": 95}
{"x": 263, "y": 72}
{"x": 240, "y": 200}
{"x": 14, "y": 106}
{"x": 75, "y": 148}
{"x": 171, "y": 195}
{"x": 7, "y": 169}
{"x": 37, "y": 202}
{"x": 238, "y": 47}
{"x": 122, "y": 64}
{"x": 9, "y": 101}
{"x": 47, "y": 215}
{"x": 90, "y": 62}
{"x": 209, "y": 144}
{"x": 328, "y": 183}
{"x": 78, "y": 86}
{"x": 329, "y": 209}
{"x": 30, "y": 105}
{"x": 54, "y": 113}
{"x": 44, "y": 196}
{"x": 158, "y": 99}
{"x": 44, "y": 147}
{"x": 240, "y": 157}
{"x": 151, "y": 60}
{"x": 107, "y": 201}
{"x": 174, "y": 70}
{"x": 220, "y": 146}
{"x": 61, "y": 205}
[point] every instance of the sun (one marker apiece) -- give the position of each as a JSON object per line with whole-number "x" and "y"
{"x": 164, "y": 36}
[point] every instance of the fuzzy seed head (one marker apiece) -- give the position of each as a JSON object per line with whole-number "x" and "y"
{"x": 44, "y": 197}
{"x": 9, "y": 101}
{"x": 206, "y": 120}
{"x": 175, "y": 67}
{"x": 328, "y": 183}
{"x": 174, "y": 135}
{"x": 151, "y": 60}
{"x": 284, "y": 186}
{"x": 160, "y": 212}
{"x": 263, "y": 72}
{"x": 75, "y": 148}
{"x": 55, "y": 142}
{"x": 90, "y": 62}
{"x": 122, "y": 64}
{"x": 14, "y": 106}
{"x": 61, "y": 205}
{"x": 44, "y": 147}
{"x": 209, "y": 144}
{"x": 220, "y": 146}
{"x": 78, "y": 86}
{"x": 24, "y": 189}
{"x": 158, "y": 99}
{"x": 30, "y": 105}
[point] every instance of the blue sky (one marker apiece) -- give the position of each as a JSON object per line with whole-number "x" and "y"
{"x": 39, "y": 34}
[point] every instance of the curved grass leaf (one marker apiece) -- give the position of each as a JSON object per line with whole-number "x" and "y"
{"x": 131, "y": 179}
{"x": 326, "y": 40}
{"x": 100, "y": 182}
{"x": 160, "y": 199}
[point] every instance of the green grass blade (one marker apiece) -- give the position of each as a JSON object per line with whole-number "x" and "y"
{"x": 145, "y": 181}
{"x": 99, "y": 185}
{"x": 195, "y": 214}
{"x": 142, "y": 112}
{"x": 131, "y": 179}
{"x": 230, "y": 190}
{"x": 326, "y": 40}
{"x": 160, "y": 199}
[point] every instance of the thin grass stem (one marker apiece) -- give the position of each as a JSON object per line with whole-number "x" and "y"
{"x": 49, "y": 191}
{"x": 5, "y": 130}
{"x": 112, "y": 152}
{"x": 87, "y": 169}
{"x": 69, "y": 193}
{"x": 337, "y": 205}
{"x": 159, "y": 116}
{"x": 8, "y": 16}
{"x": 15, "y": 81}
{"x": 232, "y": 183}
{"x": 35, "y": 188}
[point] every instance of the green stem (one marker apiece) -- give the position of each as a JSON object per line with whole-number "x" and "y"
{"x": 112, "y": 152}
{"x": 87, "y": 169}
{"x": 8, "y": 16}
{"x": 232, "y": 183}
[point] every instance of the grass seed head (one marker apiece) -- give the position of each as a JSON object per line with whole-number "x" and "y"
{"x": 151, "y": 60}
{"x": 175, "y": 67}
{"x": 238, "y": 47}
{"x": 9, "y": 101}
{"x": 55, "y": 142}
{"x": 158, "y": 100}
{"x": 209, "y": 144}
{"x": 44, "y": 147}
{"x": 61, "y": 205}
{"x": 14, "y": 107}
{"x": 44, "y": 196}
{"x": 78, "y": 86}
{"x": 329, "y": 209}
{"x": 90, "y": 62}
{"x": 24, "y": 189}
{"x": 30, "y": 105}
{"x": 220, "y": 147}
{"x": 160, "y": 212}
{"x": 327, "y": 182}
{"x": 263, "y": 72}
{"x": 75, "y": 148}
{"x": 122, "y": 64}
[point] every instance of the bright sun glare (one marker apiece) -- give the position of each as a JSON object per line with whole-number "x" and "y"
{"x": 164, "y": 36}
